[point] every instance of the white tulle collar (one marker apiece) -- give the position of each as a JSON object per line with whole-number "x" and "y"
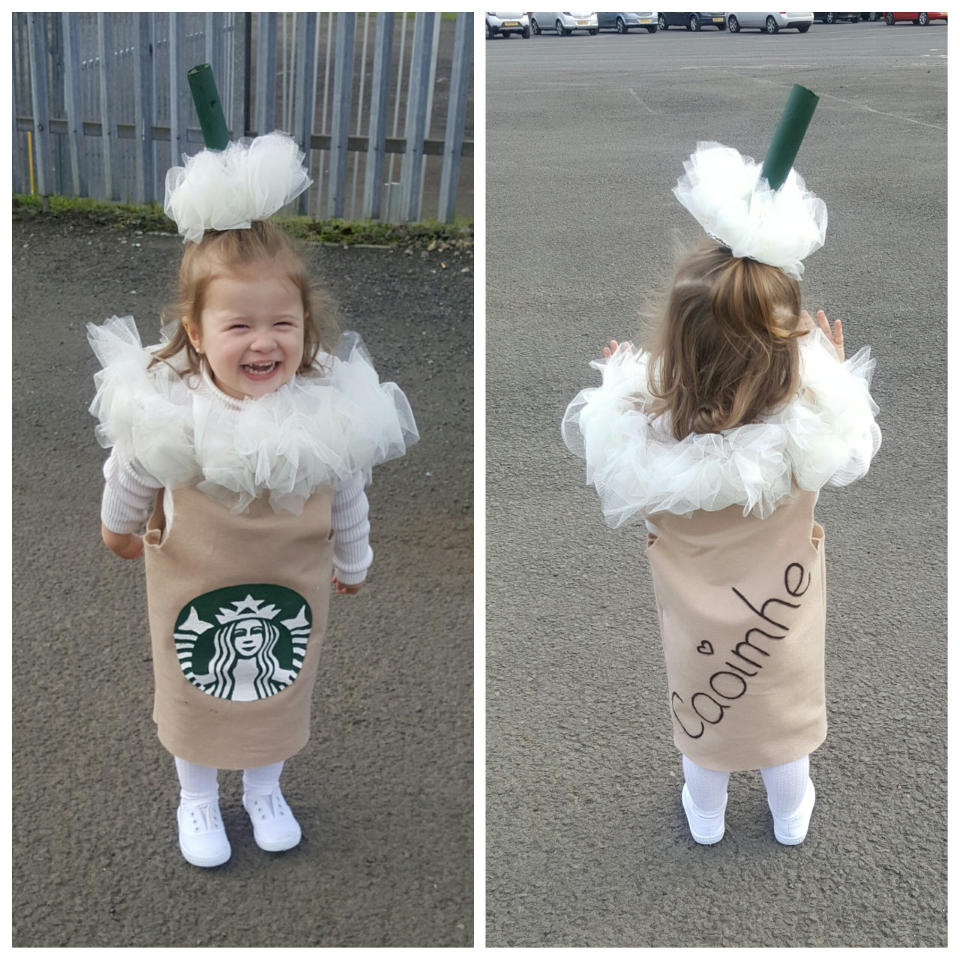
{"x": 638, "y": 466}
{"x": 318, "y": 429}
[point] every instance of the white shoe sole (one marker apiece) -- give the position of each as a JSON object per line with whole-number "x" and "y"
{"x": 793, "y": 830}
{"x": 699, "y": 828}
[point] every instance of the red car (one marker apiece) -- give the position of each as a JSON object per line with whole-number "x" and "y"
{"x": 922, "y": 19}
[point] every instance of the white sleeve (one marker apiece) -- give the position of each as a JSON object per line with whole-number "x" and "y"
{"x": 861, "y": 457}
{"x": 352, "y": 554}
{"x": 128, "y": 495}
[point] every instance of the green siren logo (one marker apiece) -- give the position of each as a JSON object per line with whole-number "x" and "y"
{"x": 245, "y": 642}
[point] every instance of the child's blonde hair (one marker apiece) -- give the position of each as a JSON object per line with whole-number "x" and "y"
{"x": 229, "y": 251}
{"x": 726, "y": 350}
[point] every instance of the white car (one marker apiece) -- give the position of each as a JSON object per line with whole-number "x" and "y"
{"x": 506, "y": 24}
{"x": 769, "y": 22}
{"x": 564, "y": 23}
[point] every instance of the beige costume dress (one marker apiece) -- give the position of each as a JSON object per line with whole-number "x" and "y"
{"x": 238, "y": 550}
{"x": 736, "y": 555}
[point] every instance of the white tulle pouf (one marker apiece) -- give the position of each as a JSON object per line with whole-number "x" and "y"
{"x": 229, "y": 189}
{"x": 734, "y": 204}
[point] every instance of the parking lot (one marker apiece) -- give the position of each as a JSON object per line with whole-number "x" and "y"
{"x": 587, "y": 844}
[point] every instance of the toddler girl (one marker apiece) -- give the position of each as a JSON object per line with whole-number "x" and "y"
{"x": 720, "y": 438}
{"x": 244, "y": 445}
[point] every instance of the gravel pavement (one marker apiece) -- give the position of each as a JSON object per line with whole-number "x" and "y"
{"x": 384, "y": 788}
{"x": 587, "y": 844}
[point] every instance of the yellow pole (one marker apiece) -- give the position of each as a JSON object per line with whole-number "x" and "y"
{"x": 30, "y": 159}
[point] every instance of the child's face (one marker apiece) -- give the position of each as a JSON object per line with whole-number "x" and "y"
{"x": 251, "y": 330}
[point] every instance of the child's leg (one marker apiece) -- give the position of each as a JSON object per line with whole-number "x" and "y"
{"x": 203, "y": 841}
{"x": 791, "y": 796}
{"x": 704, "y": 801}
{"x": 274, "y": 826}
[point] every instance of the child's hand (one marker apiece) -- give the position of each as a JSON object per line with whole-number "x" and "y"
{"x": 347, "y": 588}
{"x": 126, "y": 545}
{"x": 612, "y": 349}
{"x": 835, "y": 336}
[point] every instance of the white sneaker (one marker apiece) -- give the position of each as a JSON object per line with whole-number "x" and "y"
{"x": 704, "y": 829}
{"x": 203, "y": 841}
{"x": 274, "y": 827}
{"x": 793, "y": 830}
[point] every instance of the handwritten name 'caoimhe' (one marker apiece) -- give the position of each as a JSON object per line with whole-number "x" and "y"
{"x": 730, "y": 685}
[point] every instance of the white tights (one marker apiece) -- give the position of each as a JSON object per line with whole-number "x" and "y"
{"x": 786, "y": 785}
{"x": 198, "y": 784}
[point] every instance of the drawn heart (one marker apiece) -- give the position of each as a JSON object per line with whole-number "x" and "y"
{"x": 705, "y": 647}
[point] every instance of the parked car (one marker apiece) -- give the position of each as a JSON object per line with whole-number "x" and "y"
{"x": 624, "y": 22}
{"x": 921, "y": 19}
{"x": 507, "y": 24}
{"x": 769, "y": 22}
{"x": 564, "y": 23}
{"x": 834, "y": 17}
{"x": 692, "y": 21}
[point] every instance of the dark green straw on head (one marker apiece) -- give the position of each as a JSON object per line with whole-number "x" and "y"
{"x": 790, "y": 131}
{"x": 207, "y": 101}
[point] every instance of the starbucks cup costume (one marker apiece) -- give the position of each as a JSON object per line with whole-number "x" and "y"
{"x": 737, "y": 558}
{"x": 238, "y": 549}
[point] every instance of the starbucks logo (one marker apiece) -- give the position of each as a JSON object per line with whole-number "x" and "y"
{"x": 245, "y": 642}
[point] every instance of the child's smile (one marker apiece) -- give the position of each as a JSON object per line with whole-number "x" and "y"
{"x": 251, "y": 331}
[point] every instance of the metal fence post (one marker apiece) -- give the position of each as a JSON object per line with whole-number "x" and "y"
{"x": 416, "y": 127}
{"x": 143, "y": 64}
{"x": 266, "y": 95}
{"x": 73, "y": 99}
{"x": 105, "y": 45}
{"x": 38, "y": 90}
{"x": 305, "y": 98}
{"x": 379, "y": 96}
{"x": 178, "y": 137}
{"x": 456, "y": 117}
{"x": 340, "y": 125}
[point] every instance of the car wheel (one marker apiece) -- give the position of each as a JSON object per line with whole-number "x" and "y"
{"x": 594, "y": 31}
{"x": 558, "y": 26}
{"x": 535, "y": 27}
{"x": 803, "y": 27}
{"x": 889, "y": 19}
{"x": 652, "y": 29}
{"x": 526, "y": 33}
{"x": 489, "y": 32}
{"x": 830, "y": 18}
{"x": 662, "y": 22}
{"x": 923, "y": 19}
{"x": 771, "y": 25}
{"x": 621, "y": 26}
{"x": 694, "y": 23}
{"x": 721, "y": 26}
{"x": 734, "y": 24}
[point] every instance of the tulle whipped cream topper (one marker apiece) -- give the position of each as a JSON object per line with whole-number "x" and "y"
{"x": 764, "y": 213}
{"x": 228, "y": 185}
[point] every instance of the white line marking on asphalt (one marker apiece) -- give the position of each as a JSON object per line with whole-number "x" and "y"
{"x": 637, "y": 98}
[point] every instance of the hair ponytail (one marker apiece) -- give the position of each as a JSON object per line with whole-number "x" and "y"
{"x": 727, "y": 349}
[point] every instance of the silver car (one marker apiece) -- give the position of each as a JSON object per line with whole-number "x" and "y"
{"x": 505, "y": 24}
{"x": 769, "y": 22}
{"x": 563, "y": 23}
{"x": 624, "y": 22}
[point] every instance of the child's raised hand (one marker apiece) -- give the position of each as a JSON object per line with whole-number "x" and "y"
{"x": 835, "y": 336}
{"x": 613, "y": 348}
{"x": 347, "y": 588}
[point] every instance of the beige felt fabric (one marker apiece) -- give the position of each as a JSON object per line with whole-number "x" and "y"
{"x": 207, "y": 548}
{"x": 745, "y": 672}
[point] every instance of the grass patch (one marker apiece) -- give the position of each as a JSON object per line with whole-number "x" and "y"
{"x": 429, "y": 235}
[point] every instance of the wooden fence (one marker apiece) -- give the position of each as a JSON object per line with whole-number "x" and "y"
{"x": 381, "y": 103}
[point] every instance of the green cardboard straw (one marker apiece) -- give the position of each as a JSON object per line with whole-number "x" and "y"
{"x": 207, "y": 101}
{"x": 786, "y": 141}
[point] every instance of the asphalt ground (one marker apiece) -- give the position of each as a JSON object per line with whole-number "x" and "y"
{"x": 384, "y": 788}
{"x": 587, "y": 844}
